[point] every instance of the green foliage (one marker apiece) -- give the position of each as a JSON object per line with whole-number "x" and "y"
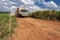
{"x": 46, "y": 14}
{"x": 4, "y": 22}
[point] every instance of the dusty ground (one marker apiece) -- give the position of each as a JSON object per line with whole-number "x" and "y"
{"x": 36, "y": 29}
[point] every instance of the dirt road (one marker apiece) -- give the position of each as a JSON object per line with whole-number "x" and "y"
{"x": 36, "y": 29}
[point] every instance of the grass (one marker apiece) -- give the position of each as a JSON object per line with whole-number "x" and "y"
{"x": 46, "y": 14}
{"x": 4, "y": 23}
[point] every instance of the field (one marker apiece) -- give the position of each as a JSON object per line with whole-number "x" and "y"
{"x": 46, "y": 14}
{"x": 4, "y": 25}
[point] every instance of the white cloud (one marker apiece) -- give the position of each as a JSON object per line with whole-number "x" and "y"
{"x": 50, "y": 4}
{"x": 3, "y": 0}
{"x": 6, "y": 7}
{"x": 28, "y": 1}
{"x": 13, "y": 7}
{"x": 8, "y": 4}
{"x": 13, "y": 3}
{"x": 30, "y": 4}
{"x": 59, "y": 5}
{"x": 35, "y": 7}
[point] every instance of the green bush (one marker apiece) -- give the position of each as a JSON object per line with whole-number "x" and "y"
{"x": 46, "y": 14}
{"x": 4, "y": 22}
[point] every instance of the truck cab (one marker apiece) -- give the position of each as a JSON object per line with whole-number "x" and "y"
{"x": 23, "y": 12}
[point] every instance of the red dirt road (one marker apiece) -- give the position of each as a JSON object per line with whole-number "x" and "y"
{"x": 36, "y": 29}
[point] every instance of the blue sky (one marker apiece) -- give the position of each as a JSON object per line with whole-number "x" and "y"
{"x": 56, "y": 1}
{"x": 11, "y": 5}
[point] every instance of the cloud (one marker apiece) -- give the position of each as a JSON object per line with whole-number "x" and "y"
{"x": 33, "y": 8}
{"x": 6, "y": 3}
{"x": 13, "y": 8}
{"x": 4, "y": 0}
{"x": 6, "y": 7}
{"x": 59, "y": 7}
{"x": 28, "y": 1}
{"x": 50, "y": 4}
{"x": 13, "y": 4}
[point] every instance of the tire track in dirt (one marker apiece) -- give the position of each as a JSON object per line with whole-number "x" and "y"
{"x": 36, "y": 29}
{"x": 49, "y": 29}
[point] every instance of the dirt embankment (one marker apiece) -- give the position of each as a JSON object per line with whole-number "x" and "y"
{"x": 36, "y": 29}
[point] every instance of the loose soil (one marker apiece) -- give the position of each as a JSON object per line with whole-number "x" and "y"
{"x": 36, "y": 29}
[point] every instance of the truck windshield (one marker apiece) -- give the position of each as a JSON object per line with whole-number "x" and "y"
{"x": 24, "y": 10}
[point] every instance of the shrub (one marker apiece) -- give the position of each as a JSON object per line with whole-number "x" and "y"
{"x": 4, "y": 22}
{"x": 46, "y": 14}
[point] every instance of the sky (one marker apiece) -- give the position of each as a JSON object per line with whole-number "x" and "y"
{"x": 56, "y": 1}
{"x": 32, "y": 5}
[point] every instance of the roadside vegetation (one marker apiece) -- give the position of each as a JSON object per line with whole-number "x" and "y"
{"x": 46, "y": 14}
{"x": 4, "y": 25}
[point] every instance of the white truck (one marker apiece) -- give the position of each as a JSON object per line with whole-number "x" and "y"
{"x": 22, "y": 12}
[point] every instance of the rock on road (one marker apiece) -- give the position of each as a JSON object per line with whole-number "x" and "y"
{"x": 36, "y": 29}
